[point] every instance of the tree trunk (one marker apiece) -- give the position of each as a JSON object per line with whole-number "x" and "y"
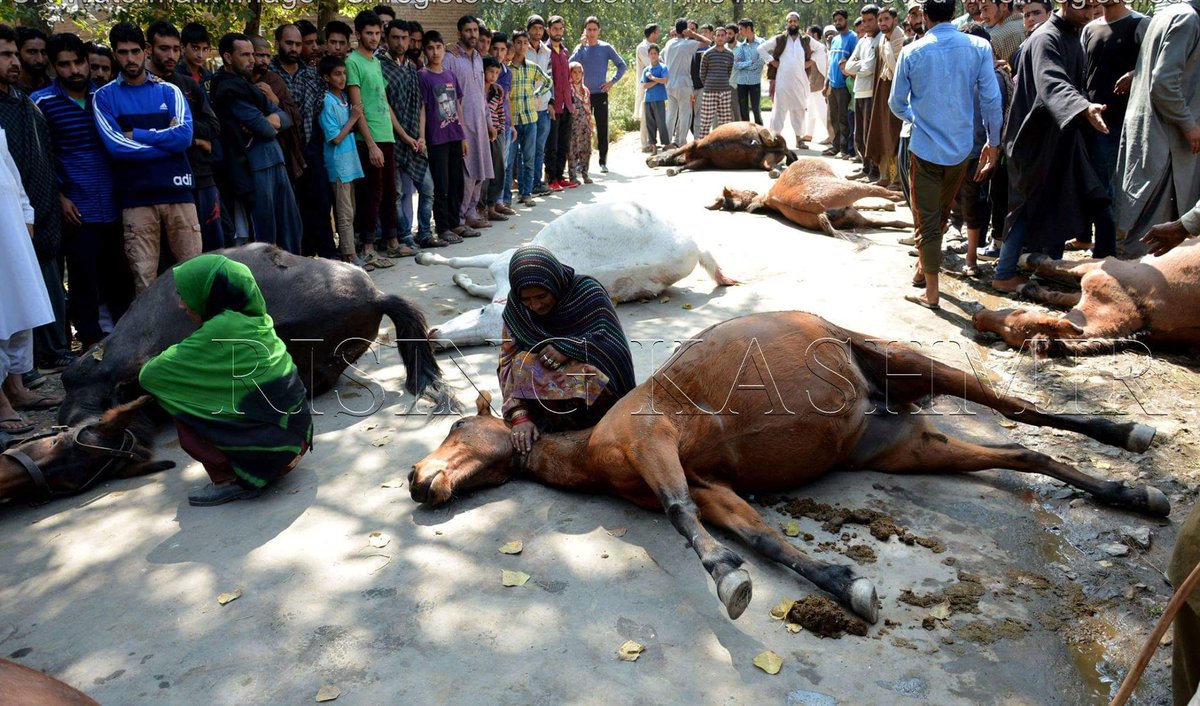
{"x": 254, "y": 21}
{"x": 738, "y": 9}
{"x": 327, "y": 11}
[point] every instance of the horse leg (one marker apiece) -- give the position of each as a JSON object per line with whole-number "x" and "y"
{"x": 1047, "y": 296}
{"x": 692, "y": 164}
{"x": 1046, "y": 266}
{"x": 143, "y": 468}
{"x": 913, "y": 446}
{"x": 850, "y": 217}
{"x": 659, "y": 467}
{"x": 476, "y": 290}
{"x": 722, "y": 507}
{"x": 905, "y": 376}
{"x": 458, "y": 263}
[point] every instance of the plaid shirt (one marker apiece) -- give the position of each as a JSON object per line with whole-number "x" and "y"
{"x": 1007, "y": 36}
{"x": 404, "y": 96}
{"x": 308, "y": 91}
{"x": 529, "y": 83}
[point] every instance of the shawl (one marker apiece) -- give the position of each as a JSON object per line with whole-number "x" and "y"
{"x": 243, "y": 396}
{"x": 583, "y": 324}
{"x": 29, "y": 143}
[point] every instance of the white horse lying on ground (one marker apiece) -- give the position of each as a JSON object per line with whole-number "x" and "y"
{"x": 633, "y": 251}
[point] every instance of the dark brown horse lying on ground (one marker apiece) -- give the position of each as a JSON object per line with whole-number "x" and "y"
{"x": 22, "y": 686}
{"x": 742, "y": 145}
{"x": 327, "y": 312}
{"x": 1153, "y": 299}
{"x": 810, "y": 195}
{"x": 72, "y": 460}
{"x": 833, "y": 400}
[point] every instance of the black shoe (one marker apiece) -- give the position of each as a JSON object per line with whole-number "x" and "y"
{"x": 33, "y": 379}
{"x": 211, "y": 494}
{"x": 541, "y": 190}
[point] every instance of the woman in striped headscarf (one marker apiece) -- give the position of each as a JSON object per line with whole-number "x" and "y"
{"x": 565, "y": 360}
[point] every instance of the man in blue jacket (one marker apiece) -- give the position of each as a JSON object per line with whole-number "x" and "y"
{"x": 146, "y": 126}
{"x": 96, "y": 265}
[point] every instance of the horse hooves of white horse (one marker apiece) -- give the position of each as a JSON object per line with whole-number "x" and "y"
{"x": 632, "y": 250}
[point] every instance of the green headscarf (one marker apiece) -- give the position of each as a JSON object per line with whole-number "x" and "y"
{"x": 219, "y": 371}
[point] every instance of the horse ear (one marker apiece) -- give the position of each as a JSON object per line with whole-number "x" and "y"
{"x": 116, "y": 420}
{"x": 1067, "y": 327}
{"x": 483, "y": 404}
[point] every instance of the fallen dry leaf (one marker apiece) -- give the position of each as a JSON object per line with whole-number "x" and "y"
{"x": 371, "y": 426}
{"x": 328, "y": 692}
{"x": 229, "y": 597}
{"x": 687, "y": 306}
{"x": 941, "y": 611}
{"x": 98, "y": 352}
{"x": 617, "y": 531}
{"x": 664, "y": 300}
{"x": 791, "y": 528}
{"x": 393, "y": 483}
{"x": 603, "y": 555}
{"x": 780, "y": 611}
{"x": 630, "y": 650}
{"x": 513, "y": 578}
{"x": 379, "y": 540}
{"x": 769, "y": 662}
{"x": 793, "y": 628}
{"x": 381, "y": 440}
{"x": 513, "y": 547}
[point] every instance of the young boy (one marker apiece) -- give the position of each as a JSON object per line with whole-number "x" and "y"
{"x": 338, "y": 120}
{"x": 500, "y": 190}
{"x": 445, "y": 138}
{"x": 529, "y": 83}
{"x": 717, "y": 99}
{"x": 654, "y": 105}
{"x": 495, "y": 102}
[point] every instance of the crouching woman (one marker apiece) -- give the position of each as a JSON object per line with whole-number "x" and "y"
{"x": 245, "y": 421}
{"x": 564, "y": 361}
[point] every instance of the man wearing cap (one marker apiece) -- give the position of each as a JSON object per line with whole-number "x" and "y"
{"x": 789, "y": 54}
{"x": 934, "y": 89}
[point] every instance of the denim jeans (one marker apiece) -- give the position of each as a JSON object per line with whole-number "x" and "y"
{"x": 404, "y": 209}
{"x": 1014, "y": 243}
{"x": 526, "y": 148}
{"x": 539, "y": 153}
{"x": 509, "y": 145}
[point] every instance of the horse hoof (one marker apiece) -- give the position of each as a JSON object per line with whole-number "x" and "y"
{"x": 863, "y": 600}
{"x": 1139, "y": 438}
{"x": 672, "y": 172}
{"x": 774, "y": 174}
{"x": 424, "y": 258}
{"x": 734, "y": 591}
{"x": 1023, "y": 290}
{"x": 1157, "y": 503}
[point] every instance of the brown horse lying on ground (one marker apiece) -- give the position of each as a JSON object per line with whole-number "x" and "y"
{"x": 74, "y": 459}
{"x": 833, "y": 399}
{"x": 742, "y": 145}
{"x": 22, "y": 686}
{"x": 810, "y": 195}
{"x": 1153, "y": 299}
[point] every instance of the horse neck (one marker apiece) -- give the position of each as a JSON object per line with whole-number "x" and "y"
{"x": 14, "y": 479}
{"x": 561, "y": 460}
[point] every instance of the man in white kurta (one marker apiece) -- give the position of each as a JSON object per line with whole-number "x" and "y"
{"x": 818, "y": 111}
{"x": 24, "y": 304}
{"x": 643, "y": 60}
{"x": 791, "y": 78}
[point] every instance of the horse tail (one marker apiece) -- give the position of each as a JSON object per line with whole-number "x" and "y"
{"x": 423, "y": 376}
{"x": 860, "y": 243}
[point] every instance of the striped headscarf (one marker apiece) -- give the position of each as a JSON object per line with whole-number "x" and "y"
{"x": 583, "y": 323}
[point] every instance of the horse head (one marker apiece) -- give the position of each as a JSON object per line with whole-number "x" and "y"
{"x": 70, "y": 460}
{"x": 477, "y": 453}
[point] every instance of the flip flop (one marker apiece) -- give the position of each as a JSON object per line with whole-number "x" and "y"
{"x": 24, "y": 429}
{"x": 42, "y": 402}
{"x": 402, "y": 251}
{"x": 921, "y": 302}
{"x": 970, "y": 271}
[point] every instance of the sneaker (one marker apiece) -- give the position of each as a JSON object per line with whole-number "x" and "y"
{"x": 569, "y": 184}
{"x": 604, "y": 169}
{"x": 57, "y": 365}
{"x": 992, "y": 252}
{"x": 831, "y": 152}
{"x": 555, "y": 186}
{"x": 541, "y": 190}
{"x": 211, "y": 495}
{"x": 587, "y": 179}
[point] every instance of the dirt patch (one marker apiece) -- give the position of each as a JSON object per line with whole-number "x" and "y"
{"x": 1028, "y": 578}
{"x": 881, "y": 525}
{"x": 985, "y": 633}
{"x": 962, "y": 596}
{"x": 861, "y": 553}
{"x": 823, "y": 617}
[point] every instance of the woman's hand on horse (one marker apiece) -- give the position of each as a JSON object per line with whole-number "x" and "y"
{"x": 524, "y": 433}
{"x": 553, "y": 358}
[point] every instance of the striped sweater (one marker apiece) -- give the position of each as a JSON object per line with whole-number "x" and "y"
{"x": 715, "y": 68}
{"x": 80, "y": 160}
{"x": 150, "y": 166}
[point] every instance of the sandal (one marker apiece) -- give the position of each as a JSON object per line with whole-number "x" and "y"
{"x": 358, "y": 262}
{"x": 450, "y": 237}
{"x": 432, "y": 242}
{"x": 970, "y": 271}
{"x": 41, "y": 403}
{"x": 920, "y": 301}
{"x": 403, "y": 251}
{"x": 25, "y": 428}
{"x": 373, "y": 258}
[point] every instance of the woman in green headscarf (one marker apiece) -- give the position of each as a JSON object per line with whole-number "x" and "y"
{"x": 247, "y": 425}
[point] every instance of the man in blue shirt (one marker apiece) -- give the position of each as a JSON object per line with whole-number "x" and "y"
{"x": 749, "y": 67}
{"x": 96, "y": 267}
{"x": 595, "y": 55}
{"x": 936, "y": 82}
{"x": 836, "y": 91}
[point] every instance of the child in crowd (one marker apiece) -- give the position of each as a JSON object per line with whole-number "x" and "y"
{"x": 445, "y": 139}
{"x": 338, "y": 121}
{"x": 583, "y": 125}
{"x": 655, "y": 102}
{"x": 495, "y": 103}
